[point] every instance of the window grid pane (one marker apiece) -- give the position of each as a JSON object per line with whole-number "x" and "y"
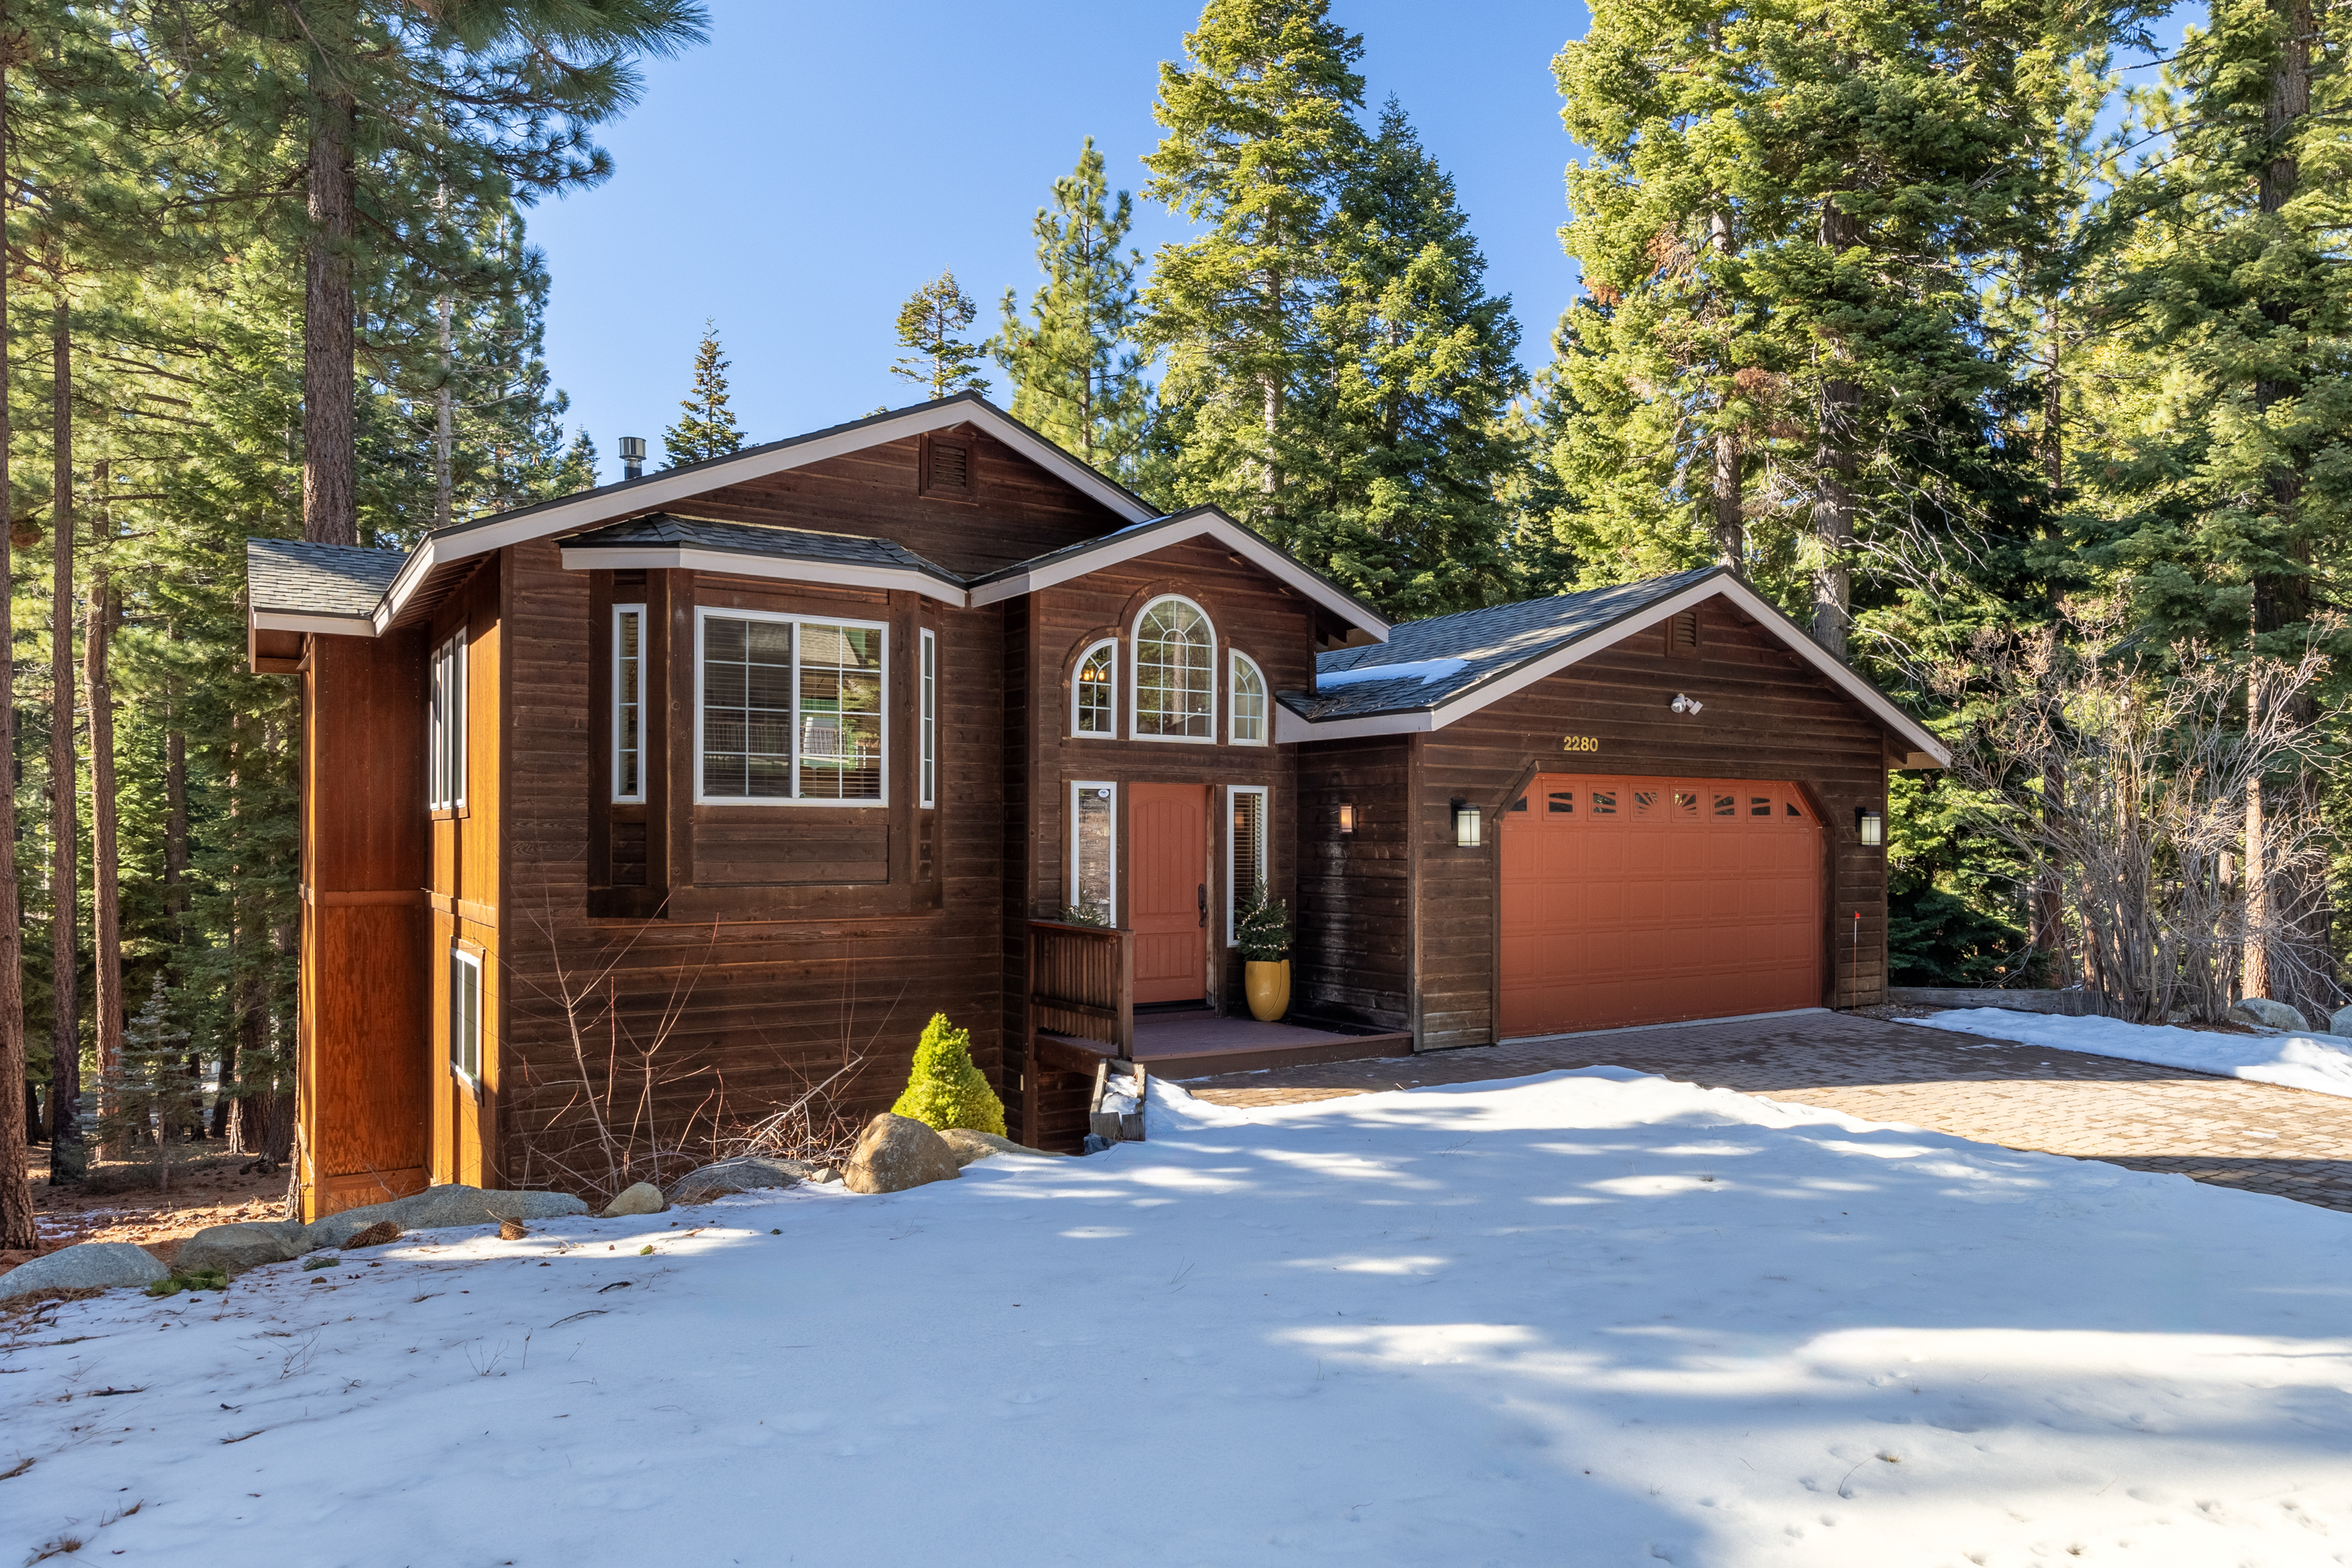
{"x": 1249, "y": 701}
{"x": 746, "y": 708}
{"x": 627, "y": 699}
{"x": 840, "y": 728}
{"x": 1094, "y": 698}
{"x": 931, "y": 758}
{"x": 1174, "y": 680}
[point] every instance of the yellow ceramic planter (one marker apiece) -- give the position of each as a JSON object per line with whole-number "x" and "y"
{"x": 1269, "y": 984}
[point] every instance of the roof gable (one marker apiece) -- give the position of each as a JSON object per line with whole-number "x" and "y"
{"x": 1431, "y": 673}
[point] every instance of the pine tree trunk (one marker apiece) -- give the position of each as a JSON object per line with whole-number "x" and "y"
{"x": 1730, "y": 504}
{"x": 68, "y": 1159}
{"x": 17, "y": 1109}
{"x": 1835, "y": 459}
{"x": 444, "y": 426}
{"x": 105, "y": 871}
{"x": 2049, "y": 886}
{"x": 329, "y": 507}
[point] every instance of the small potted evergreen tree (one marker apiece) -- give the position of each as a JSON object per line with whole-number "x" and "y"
{"x": 1263, "y": 934}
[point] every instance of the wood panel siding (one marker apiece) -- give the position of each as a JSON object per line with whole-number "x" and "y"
{"x": 1765, "y": 716}
{"x": 1011, "y": 510}
{"x": 1352, "y": 961}
{"x": 466, "y": 884}
{"x": 750, "y": 988}
{"x": 362, "y": 1095}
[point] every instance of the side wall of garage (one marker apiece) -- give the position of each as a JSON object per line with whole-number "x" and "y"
{"x": 1764, "y": 715}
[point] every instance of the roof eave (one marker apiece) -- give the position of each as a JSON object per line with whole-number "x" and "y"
{"x": 745, "y": 563}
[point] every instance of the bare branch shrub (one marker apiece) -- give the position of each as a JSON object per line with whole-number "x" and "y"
{"x": 2123, "y": 776}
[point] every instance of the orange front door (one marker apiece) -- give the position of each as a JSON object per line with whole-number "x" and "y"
{"x": 1167, "y": 890}
{"x": 1643, "y": 900}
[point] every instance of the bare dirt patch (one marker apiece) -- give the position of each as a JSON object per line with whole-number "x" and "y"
{"x": 121, "y": 1204}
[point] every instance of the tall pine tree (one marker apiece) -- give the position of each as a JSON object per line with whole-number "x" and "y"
{"x": 1077, "y": 378}
{"x": 706, "y": 429}
{"x": 931, "y": 324}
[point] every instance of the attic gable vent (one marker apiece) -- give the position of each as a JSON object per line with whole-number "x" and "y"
{"x": 947, "y": 469}
{"x": 1681, "y": 634}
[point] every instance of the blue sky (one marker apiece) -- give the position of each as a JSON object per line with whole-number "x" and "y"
{"x": 804, "y": 173}
{"x": 798, "y": 176}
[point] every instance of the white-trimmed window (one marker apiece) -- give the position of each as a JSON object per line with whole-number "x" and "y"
{"x": 1175, "y": 672}
{"x": 1246, "y": 866}
{"x": 788, "y": 710}
{"x": 445, "y": 741}
{"x": 629, "y": 702}
{"x": 1094, "y": 692}
{"x": 1247, "y": 716}
{"x": 464, "y": 1015}
{"x": 1094, "y": 848}
{"x": 931, "y": 719}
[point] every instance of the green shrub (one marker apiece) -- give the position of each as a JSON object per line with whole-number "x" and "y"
{"x": 946, "y": 1089}
{"x": 202, "y": 1280}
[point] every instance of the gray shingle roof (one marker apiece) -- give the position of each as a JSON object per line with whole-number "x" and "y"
{"x": 1448, "y": 656}
{"x": 293, "y": 577}
{"x": 663, "y": 529}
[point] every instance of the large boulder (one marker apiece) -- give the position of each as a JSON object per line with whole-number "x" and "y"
{"x": 643, "y": 1197}
{"x": 969, "y": 1145}
{"x": 2263, "y": 1013}
{"x": 234, "y": 1249}
{"x": 2341, "y": 1024}
{"x": 102, "y": 1265}
{"x": 751, "y": 1174}
{"x": 896, "y": 1152}
{"x": 435, "y": 1208}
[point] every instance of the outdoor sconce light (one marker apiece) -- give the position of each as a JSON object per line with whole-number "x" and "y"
{"x": 1682, "y": 704}
{"x": 1465, "y": 824}
{"x": 1870, "y": 825}
{"x": 632, "y": 456}
{"x": 1347, "y": 817}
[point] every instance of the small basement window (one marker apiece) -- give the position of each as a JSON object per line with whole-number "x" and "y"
{"x": 464, "y": 1015}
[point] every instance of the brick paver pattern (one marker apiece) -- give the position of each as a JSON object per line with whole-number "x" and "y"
{"x": 2258, "y": 1136}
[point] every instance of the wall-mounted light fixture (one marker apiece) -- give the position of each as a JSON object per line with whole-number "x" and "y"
{"x": 1347, "y": 817}
{"x": 1682, "y": 704}
{"x": 632, "y": 456}
{"x": 1465, "y": 824}
{"x": 1869, "y": 826}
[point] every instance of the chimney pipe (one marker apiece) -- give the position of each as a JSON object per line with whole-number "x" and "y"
{"x": 632, "y": 456}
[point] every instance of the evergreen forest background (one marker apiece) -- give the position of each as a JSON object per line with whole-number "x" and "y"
{"x": 2001, "y": 354}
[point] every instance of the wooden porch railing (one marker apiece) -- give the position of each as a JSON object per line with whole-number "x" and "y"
{"x": 1082, "y": 983}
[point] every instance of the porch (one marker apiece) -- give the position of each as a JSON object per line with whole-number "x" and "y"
{"x": 1082, "y": 1014}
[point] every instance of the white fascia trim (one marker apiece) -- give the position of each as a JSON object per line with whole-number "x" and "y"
{"x": 1136, "y": 542}
{"x": 324, "y": 626}
{"x": 659, "y": 490}
{"x": 689, "y": 558}
{"x": 1290, "y": 729}
{"x": 1920, "y": 740}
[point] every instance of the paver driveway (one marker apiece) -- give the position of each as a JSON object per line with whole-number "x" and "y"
{"x": 2290, "y": 1141}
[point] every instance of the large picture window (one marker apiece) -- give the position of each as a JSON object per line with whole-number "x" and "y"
{"x": 445, "y": 748}
{"x": 629, "y": 702}
{"x": 464, "y": 1015}
{"x": 790, "y": 709}
{"x": 1175, "y": 672}
{"x": 1246, "y": 865}
{"x": 1094, "y": 841}
{"x": 1248, "y": 715}
{"x": 1093, "y": 690}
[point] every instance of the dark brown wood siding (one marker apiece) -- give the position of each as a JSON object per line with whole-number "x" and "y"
{"x": 1353, "y": 962}
{"x": 1012, "y": 510}
{"x": 1765, "y": 716}
{"x": 751, "y": 988}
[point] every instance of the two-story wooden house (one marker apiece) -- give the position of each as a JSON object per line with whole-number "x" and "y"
{"x": 628, "y": 815}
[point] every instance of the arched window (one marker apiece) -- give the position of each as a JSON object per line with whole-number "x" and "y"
{"x": 1093, "y": 700}
{"x": 1248, "y": 719}
{"x": 1175, "y": 672}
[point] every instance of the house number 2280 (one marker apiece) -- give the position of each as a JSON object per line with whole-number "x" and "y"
{"x": 1580, "y": 742}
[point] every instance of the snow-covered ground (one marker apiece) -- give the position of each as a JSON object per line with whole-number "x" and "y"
{"x": 1588, "y": 1318}
{"x": 2318, "y": 1062}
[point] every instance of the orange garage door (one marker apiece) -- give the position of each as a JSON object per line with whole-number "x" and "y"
{"x": 1638, "y": 900}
